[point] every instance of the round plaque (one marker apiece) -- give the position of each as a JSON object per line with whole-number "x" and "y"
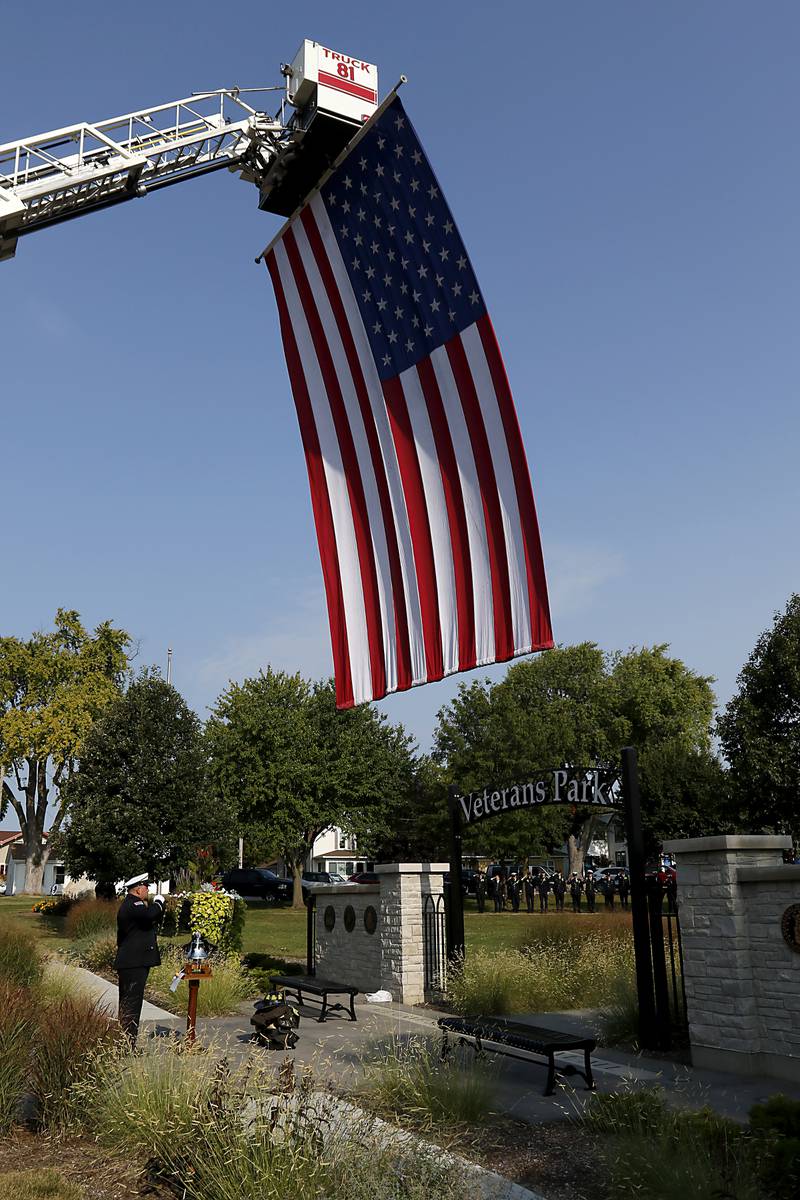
{"x": 330, "y": 917}
{"x": 349, "y": 918}
{"x": 790, "y": 927}
{"x": 370, "y": 919}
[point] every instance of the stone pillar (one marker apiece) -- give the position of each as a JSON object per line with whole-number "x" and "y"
{"x": 402, "y": 888}
{"x": 725, "y": 966}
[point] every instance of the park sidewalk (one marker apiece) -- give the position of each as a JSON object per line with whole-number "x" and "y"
{"x": 105, "y": 993}
{"x": 336, "y": 1050}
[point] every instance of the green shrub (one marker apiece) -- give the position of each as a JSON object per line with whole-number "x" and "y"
{"x": 218, "y": 996}
{"x": 410, "y": 1077}
{"x": 68, "y": 1034}
{"x": 20, "y": 960}
{"x": 663, "y": 1153}
{"x": 43, "y": 1184}
{"x": 17, "y": 1024}
{"x": 53, "y": 906}
{"x": 88, "y": 918}
{"x": 776, "y": 1125}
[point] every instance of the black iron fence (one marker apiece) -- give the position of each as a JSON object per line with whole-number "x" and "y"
{"x": 666, "y": 949}
{"x": 434, "y": 944}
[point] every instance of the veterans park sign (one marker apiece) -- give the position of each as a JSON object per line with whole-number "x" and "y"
{"x": 591, "y": 786}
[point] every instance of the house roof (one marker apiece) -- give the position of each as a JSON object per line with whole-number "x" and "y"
{"x": 9, "y": 835}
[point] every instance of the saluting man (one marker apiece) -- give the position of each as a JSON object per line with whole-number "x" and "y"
{"x": 137, "y": 950}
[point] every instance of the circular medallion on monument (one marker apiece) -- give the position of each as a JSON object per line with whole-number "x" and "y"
{"x": 349, "y": 918}
{"x": 329, "y": 917}
{"x": 370, "y": 919}
{"x": 790, "y": 927}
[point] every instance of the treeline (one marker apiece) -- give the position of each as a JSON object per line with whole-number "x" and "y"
{"x": 135, "y": 781}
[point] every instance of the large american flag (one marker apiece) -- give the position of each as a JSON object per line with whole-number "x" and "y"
{"x": 420, "y": 488}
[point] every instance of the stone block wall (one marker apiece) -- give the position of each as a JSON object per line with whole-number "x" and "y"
{"x": 392, "y": 957}
{"x": 349, "y": 957}
{"x": 742, "y": 979}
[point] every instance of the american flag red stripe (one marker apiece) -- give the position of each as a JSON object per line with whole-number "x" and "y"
{"x": 420, "y": 488}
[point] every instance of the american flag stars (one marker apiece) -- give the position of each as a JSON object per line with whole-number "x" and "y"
{"x": 420, "y": 281}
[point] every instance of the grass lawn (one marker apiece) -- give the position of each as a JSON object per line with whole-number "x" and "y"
{"x": 16, "y": 912}
{"x": 280, "y": 933}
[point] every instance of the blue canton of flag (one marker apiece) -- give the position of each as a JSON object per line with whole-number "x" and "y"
{"x": 410, "y": 271}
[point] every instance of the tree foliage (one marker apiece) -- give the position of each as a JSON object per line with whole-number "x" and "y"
{"x": 576, "y": 705}
{"x": 52, "y": 688}
{"x": 140, "y": 801}
{"x": 296, "y": 765}
{"x": 760, "y": 730}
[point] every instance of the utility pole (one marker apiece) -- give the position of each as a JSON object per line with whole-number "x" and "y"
{"x": 169, "y": 664}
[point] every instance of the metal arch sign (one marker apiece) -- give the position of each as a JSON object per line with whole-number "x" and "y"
{"x": 593, "y": 787}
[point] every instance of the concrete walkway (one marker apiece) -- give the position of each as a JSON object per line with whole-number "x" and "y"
{"x": 337, "y": 1048}
{"x": 103, "y": 992}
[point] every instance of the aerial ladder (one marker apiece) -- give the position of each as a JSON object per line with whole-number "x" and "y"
{"x": 84, "y": 168}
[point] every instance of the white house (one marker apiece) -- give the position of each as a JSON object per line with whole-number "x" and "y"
{"x": 337, "y": 852}
{"x": 55, "y": 879}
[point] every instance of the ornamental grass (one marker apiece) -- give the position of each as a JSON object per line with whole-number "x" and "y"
{"x": 219, "y": 996}
{"x": 20, "y": 961}
{"x": 218, "y": 1132}
{"x": 90, "y": 918}
{"x": 408, "y": 1077}
{"x": 569, "y": 965}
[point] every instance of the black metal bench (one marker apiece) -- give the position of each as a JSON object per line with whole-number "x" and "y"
{"x": 515, "y": 1035}
{"x": 318, "y": 987}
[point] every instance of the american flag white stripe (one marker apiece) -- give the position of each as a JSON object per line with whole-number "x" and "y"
{"x": 437, "y": 515}
{"x": 391, "y": 468}
{"x": 356, "y": 423}
{"x": 355, "y": 616}
{"x": 473, "y": 507}
{"x": 421, "y": 493}
{"x": 512, "y": 527}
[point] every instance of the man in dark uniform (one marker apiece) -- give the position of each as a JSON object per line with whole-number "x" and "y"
{"x": 624, "y": 890}
{"x": 575, "y": 889}
{"x": 513, "y": 890}
{"x": 544, "y": 888}
{"x": 480, "y": 891}
{"x": 137, "y": 950}
{"x": 530, "y": 890}
{"x": 590, "y": 891}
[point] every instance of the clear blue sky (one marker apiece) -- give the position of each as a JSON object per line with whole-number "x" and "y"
{"x": 625, "y": 175}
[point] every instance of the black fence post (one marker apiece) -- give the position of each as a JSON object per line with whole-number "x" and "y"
{"x": 454, "y": 893}
{"x": 648, "y": 1033}
{"x": 655, "y": 905}
{"x": 311, "y": 934}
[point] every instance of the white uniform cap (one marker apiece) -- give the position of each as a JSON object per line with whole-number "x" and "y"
{"x": 135, "y": 881}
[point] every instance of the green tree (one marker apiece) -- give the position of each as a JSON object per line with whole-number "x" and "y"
{"x": 52, "y": 688}
{"x": 573, "y": 705}
{"x": 282, "y": 752}
{"x": 759, "y": 730}
{"x": 140, "y": 801}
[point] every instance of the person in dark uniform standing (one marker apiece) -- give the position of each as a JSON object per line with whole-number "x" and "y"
{"x": 590, "y": 891}
{"x": 624, "y": 890}
{"x": 543, "y": 889}
{"x": 575, "y": 889}
{"x": 137, "y": 950}
{"x": 514, "y": 886}
{"x": 530, "y": 890}
{"x": 480, "y": 891}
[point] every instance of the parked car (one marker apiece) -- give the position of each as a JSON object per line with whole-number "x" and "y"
{"x": 258, "y": 882}
{"x": 603, "y": 873}
{"x": 365, "y": 877}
